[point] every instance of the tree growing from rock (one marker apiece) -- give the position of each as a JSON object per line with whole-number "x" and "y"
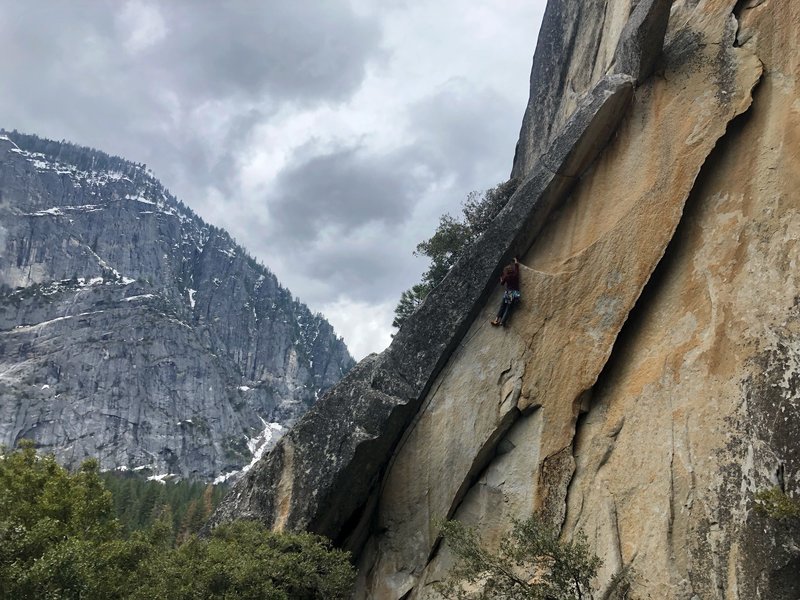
{"x": 452, "y": 237}
{"x": 530, "y": 563}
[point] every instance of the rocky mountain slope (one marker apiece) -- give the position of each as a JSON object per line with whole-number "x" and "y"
{"x": 132, "y": 331}
{"x": 647, "y": 386}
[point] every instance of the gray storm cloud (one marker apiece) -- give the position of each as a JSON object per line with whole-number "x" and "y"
{"x": 345, "y": 189}
{"x": 187, "y": 91}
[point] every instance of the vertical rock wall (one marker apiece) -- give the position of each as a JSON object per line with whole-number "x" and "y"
{"x": 575, "y": 48}
{"x": 696, "y": 406}
{"x": 699, "y": 408}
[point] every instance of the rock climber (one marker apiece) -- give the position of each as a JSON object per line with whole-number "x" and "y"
{"x": 509, "y": 278}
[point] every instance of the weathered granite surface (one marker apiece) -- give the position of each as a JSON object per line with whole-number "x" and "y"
{"x": 699, "y": 406}
{"x": 580, "y": 279}
{"x": 577, "y": 42}
{"x": 132, "y": 331}
{"x": 580, "y": 42}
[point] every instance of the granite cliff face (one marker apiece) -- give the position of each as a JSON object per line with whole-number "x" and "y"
{"x": 647, "y": 385}
{"x": 132, "y": 331}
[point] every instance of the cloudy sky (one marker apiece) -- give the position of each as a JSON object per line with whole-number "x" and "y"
{"x": 327, "y": 136}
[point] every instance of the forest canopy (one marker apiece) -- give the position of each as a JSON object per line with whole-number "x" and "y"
{"x": 60, "y": 538}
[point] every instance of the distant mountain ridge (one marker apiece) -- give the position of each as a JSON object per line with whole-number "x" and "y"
{"x": 133, "y": 331}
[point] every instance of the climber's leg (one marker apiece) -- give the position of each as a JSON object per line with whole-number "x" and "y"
{"x": 501, "y": 312}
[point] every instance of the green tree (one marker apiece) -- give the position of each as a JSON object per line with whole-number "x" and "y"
{"x": 531, "y": 563}
{"x": 409, "y": 301}
{"x": 449, "y": 241}
{"x": 140, "y": 502}
{"x": 479, "y": 210}
{"x": 52, "y": 525}
{"x": 245, "y": 560}
{"x": 193, "y": 520}
{"x": 59, "y": 539}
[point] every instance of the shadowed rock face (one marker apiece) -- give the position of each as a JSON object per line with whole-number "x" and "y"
{"x": 641, "y": 40}
{"x": 132, "y": 331}
{"x": 646, "y": 387}
{"x": 569, "y": 37}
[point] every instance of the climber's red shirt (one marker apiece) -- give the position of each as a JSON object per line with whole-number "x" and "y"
{"x": 511, "y": 280}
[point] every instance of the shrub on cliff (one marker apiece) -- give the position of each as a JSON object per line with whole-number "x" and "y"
{"x": 530, "y": 563}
